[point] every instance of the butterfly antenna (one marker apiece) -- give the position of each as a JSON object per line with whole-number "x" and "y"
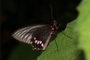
{"x": 51, "y": 12}
{"x": 56, "y": 44}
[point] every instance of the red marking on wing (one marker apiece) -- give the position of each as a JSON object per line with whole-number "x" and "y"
{"x": 52, "y": 30}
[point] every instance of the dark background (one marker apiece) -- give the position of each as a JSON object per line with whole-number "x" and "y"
{"x": 19, "y": 13}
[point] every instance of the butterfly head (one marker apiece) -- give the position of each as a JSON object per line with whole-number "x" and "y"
{"x": 54, "y": 26}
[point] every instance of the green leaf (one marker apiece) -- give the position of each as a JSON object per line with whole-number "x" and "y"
{"x": 83, "y": 27}
{"x": 67, "y": 47}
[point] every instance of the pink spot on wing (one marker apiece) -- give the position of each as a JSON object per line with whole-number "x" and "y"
{"x": 34, "y": 38}
{"x": 52, "y": 29}
{"x": 36, "y": 41}
{"x": 42, "y": 44}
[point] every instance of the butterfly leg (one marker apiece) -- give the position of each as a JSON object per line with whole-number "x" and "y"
{"x": 55, "y": 41}
{"x": 66, "y": 35}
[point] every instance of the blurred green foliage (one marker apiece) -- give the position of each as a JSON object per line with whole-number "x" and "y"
{"x": 83, "y": 27}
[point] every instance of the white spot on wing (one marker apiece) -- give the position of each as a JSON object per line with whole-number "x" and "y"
{"x": 42, "y": 44}
{"x": 36, "y": 41}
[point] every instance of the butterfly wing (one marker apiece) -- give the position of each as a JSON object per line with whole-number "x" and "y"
{"x": 38, "y": 36}
{"x": 25, "y": 34}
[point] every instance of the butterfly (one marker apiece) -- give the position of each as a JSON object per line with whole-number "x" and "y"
{"x": 38, "y": 36}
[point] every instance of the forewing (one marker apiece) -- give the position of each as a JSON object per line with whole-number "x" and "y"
{"x": 25, "y": 34}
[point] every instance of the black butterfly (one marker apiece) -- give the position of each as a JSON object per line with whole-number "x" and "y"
{"x": 38, "y": 36}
